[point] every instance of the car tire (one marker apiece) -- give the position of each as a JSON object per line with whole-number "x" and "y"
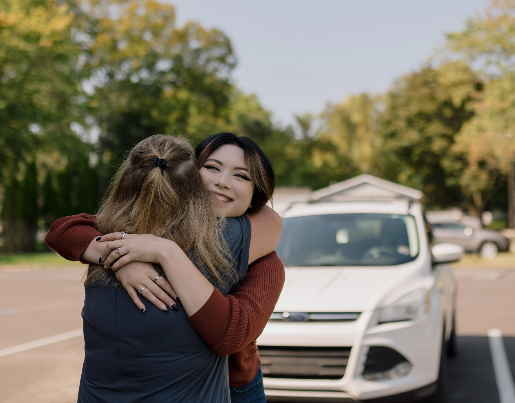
{"x": 452, "y": 344}
{"x": 440, "y": 396}
{"x": 488, "y": 250}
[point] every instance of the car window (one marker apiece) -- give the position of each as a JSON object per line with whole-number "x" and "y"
{"x": 437, "y": 225}
{"x": 349, "y": 239}
{"x": 455, "y": 227}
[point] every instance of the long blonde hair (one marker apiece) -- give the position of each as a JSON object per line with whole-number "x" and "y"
{"x": 158, "y": 190}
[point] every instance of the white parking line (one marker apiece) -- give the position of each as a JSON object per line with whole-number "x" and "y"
{"x": 501, "y": 367}
{"x": 41, "y": 342}
{"x": 6, "y": 311}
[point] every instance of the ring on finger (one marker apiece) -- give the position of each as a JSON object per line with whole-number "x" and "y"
{"x": 140, "y": 291}
{"x": 117, "y": 250}
{"x": 157, "y": 278}
{"x": 122, "y": 235}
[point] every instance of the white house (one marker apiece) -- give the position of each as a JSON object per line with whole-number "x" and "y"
{"x": 360, "y": 187}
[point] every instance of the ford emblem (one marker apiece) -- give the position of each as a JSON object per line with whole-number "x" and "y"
{"x": 296, "y": 316}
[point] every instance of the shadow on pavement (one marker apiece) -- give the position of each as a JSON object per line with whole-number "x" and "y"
{"x": 471, "y": 377}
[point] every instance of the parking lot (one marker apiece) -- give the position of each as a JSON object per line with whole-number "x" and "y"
{"x": 41, "y": 349}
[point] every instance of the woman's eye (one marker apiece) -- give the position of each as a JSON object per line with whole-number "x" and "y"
{"x": 211, "y": 167}
{"x": 242, "y": 176}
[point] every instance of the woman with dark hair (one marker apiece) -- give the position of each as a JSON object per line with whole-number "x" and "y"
{"x": 229, "y": 324}
{"x": 261, "y": 170}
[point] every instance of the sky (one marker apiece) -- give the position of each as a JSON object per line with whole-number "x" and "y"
{"x": 298, "y": 55}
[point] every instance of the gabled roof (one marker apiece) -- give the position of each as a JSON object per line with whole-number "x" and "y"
{"x": 365, "y": 187}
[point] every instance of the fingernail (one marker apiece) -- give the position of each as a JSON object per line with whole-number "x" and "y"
{"x": 177, "y": 297}
{"x": 98, "y": 239}
{"x": 174, "y": 307}
{"x": 142, "y": 309}
{"x": 164, "y": 308}
{"x": 100, "y": 259}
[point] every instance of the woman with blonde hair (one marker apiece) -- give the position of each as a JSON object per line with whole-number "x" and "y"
{"x": 239, "y": 318}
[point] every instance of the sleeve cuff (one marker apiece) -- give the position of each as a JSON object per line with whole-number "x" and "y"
{"x": 79, "y": 242}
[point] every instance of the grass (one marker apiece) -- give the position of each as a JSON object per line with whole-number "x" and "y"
{"x": 42, "y": 260}
{"x": 35, "y": 260}
{"x": 503, "y": 260}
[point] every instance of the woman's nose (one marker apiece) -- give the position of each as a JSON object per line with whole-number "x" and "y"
{"x": 222, "y": 182}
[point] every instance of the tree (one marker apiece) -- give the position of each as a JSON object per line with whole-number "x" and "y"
{"x": 423, "y": 113}
{"x": 11, "y": 214}
{"x": 148, "y": 75}
{"x": 49, "y": 210}
{"x": 352, "y": 126}
{"x": 247, "y": 117}
{"x": 488, "y": 42}
{"x": 86, "y": 191}
{"x": 29, "y": 208}
{"x": 38, "y": 82}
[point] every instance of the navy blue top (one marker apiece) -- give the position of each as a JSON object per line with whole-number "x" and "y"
{"x": 154, "y": 356}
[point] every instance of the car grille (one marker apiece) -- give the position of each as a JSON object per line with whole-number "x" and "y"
{"x": 304, "y": 362}
{"x": 314, "y": 316}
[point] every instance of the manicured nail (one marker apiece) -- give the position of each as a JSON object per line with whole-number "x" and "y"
{"x": 164, "y": 308}
{"x": 100, "y": 259}
{"x": 142, "y": 309}
{"x": 177, "y": 297}
{"x": 174, "y": 307}
{"x": 98, "y": 239}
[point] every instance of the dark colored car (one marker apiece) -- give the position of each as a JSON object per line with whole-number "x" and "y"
{"x": 483, "y": 241}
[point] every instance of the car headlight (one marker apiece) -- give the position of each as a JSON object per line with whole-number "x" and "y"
{"x": 412, "y": 306}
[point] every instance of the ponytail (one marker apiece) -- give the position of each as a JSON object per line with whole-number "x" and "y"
{"x": 158, "y": 190}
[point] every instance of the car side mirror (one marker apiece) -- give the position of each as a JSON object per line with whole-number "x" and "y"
{"x": 446, "y": 253}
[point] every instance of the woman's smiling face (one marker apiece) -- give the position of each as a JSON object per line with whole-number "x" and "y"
{"x": 226, "y": 175}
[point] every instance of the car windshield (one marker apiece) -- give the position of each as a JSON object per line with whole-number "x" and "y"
{"x": 349, "y": 240}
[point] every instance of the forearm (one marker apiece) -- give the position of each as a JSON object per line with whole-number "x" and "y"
{"x": 190, "y": 284}
{"x": 71, "y": 236}
{"x": 229, "y": 323}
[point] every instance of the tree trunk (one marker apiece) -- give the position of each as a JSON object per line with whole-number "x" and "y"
{"x": 511, "y": 193}
{"x": 101, "y": 171}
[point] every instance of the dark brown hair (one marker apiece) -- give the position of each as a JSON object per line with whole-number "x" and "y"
{"x": 259, "y": 165}
{"x": 167, "y": 199}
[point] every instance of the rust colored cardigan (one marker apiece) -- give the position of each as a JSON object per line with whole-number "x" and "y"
{"x": 229, "y": 324}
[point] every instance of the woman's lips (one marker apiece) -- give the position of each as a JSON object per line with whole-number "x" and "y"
{"x": 221, "y": 197}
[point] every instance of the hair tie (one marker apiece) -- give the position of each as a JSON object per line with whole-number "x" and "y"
{"x": 159, "y": 162}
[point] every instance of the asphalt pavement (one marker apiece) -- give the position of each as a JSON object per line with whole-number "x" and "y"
{"x": 41, "y": 350}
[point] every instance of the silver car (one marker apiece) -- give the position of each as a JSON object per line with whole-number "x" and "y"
{"x": 483, "y": 241}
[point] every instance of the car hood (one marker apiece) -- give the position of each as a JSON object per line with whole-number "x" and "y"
{"x": 322, "y": 289}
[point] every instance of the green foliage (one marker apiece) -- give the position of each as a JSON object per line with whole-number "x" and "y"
{"x": 487, "y": 142}
{"x": 497, "y": 225}
{"x": 49, "y": 210}
{"x": 423, "y": 113}
{"x": 149, "y": 75}
{"x": 37, "y": 260}
{"x": 124, "y": 69}
{"x": 86, "y": 192}
{"x": 12, "y": 228}
{"x": 29, "y": 208}
{"x": 37, "y": 80}
{"x": 353, "y": 127}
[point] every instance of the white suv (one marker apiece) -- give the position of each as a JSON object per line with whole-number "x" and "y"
{"x": 367, "y": 310}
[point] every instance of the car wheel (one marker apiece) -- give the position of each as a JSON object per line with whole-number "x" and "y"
{"x": 452, "y": 344}
{"x": 440, "y": 396}
{"x": 488, "y": 250}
